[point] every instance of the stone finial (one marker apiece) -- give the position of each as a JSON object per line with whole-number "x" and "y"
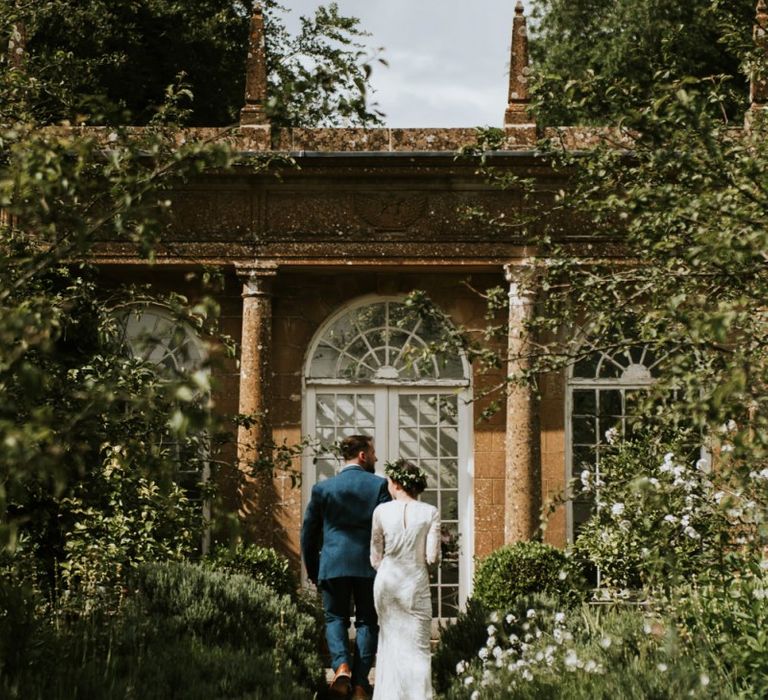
{"x": 254, "y": 113}
{"x": 517, "y": 109}
{"x": 17, "y": 45}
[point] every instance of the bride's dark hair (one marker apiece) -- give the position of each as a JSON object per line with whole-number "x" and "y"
{"x": 407, "y": 475}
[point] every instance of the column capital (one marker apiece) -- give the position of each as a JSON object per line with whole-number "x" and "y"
{"x": 521, "y": 277}
{"x": 257, "y": 277}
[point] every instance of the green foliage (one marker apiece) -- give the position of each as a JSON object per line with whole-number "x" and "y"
{"x": 727, "y": 621}
{"x": 459, "y": 640}
{"x": 183, "y": 632}
{"x": 600, "y": 59}
{"x": 540, "y": 652}
{"x": 232, "y": 611}
{"x": 661, "y": 519}
{"x": 263, "y": 564}
{"x": 521, "y": 569}
{"x": 109, "y": 61}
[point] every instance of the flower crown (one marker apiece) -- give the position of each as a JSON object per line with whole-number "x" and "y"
{"x": 408, "y": 475}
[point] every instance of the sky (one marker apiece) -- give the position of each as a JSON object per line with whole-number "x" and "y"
{"x": 448, "y": 59}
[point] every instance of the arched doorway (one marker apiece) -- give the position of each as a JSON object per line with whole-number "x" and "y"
{"x": 369, "y": 371}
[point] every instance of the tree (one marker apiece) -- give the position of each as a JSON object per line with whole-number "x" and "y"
{"x": 613, "y": 51}
{"x": 108, "y": 61}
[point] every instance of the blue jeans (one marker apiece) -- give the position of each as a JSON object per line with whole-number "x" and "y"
{"x": 338, "y": 596}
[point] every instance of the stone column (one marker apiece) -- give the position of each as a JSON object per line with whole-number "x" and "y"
{"x": 256, "y": 492}
{"x": 522, "y": 489}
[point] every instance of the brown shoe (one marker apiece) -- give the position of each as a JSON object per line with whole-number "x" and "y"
{"x": 360, "y": 693}
{"x": 341, "y": 682}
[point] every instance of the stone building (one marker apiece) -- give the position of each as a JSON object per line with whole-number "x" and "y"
{"x": 317, "y": 265}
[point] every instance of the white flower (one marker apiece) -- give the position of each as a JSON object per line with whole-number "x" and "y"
{"x": 611, "y": 436}
{"x": 494, "y": 617}
{"x": 483, "y": 653}
{"x": 530, "y": 614}
{"x": 475, "y": 695}
{"x": 670, "y": 519}
{"x": 461, "y": 667}
{"x": 571, "y": 659}
{"x": 760, "y": 594}
{"x": 661, "y": 667}
{"x": 497, "y": 652}
{"x": 491, "y": 630}
{"x": 585, "y": 477}
{"x": 562, "y": 575}
{"x": 719, "y": 496}
{"x": 726, "y": 448}
{"x": 510, "y": 618}
{"x": 685, "y": 521}
{"x": 527, "y": 675}
{"x": 617, "y": 508}
{"x": 653, "y": 481}
{"x": 559, "y": 618}
{"x": 605, "y": 642}
{"x": 112, "y": 137}
{"x": 590, "y": 666}
{"x": 692, "y": 533}
{"x": 469, "y": 681}
{"x": 704, "y": 679}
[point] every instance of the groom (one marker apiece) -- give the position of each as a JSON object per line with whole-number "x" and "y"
{"x": 335, "y": 545}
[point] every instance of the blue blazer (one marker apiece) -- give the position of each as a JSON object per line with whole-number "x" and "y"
{"x": 336, "y": 534}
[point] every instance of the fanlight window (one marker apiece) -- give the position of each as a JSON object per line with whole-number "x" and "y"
{"x": 154, "y": 336}
{"x": 633, "y": 365}
{"x": 603, "y": 389}
{"x": 384, "y": 342}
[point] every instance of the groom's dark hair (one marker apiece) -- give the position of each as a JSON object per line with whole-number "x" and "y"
{"x": 355, "y": 444}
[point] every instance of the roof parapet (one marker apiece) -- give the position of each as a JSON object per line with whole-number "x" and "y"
{"x": 519, "y": 68}
{"x": 254, "y": 111}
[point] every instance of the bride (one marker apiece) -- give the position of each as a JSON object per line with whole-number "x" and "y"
{"x": 405, "y": 537}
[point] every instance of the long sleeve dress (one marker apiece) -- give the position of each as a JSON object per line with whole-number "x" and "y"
{"x": 405, "y": 537}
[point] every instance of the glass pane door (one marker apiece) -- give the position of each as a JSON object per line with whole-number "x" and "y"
{"x": 427, "y": 434}
{"x": 338, "y": 415}
{"x": 421, "y": 426}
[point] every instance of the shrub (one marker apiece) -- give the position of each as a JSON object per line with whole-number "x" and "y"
{"x": 262, "y": 564}
{"x": 538, "y": 651}
{"x": 184, "y": 632}
{"x": 662, "y": 515}
{"x": 458, "y": 641}
{"x": 232, "y": 611}
{"x": 522, "y": 569}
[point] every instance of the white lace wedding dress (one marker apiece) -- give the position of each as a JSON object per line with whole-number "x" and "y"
{"x": 405, "y": 538}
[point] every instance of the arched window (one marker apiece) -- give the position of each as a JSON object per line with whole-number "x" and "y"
{"x": 600, "y": 395}
{"x": 154, "y": 335}
{"x": 372, "y": 370}
{"x": 385, "y": 341}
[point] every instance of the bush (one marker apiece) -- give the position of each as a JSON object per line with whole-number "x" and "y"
{"x": 458, "y": 641}
{"x": 232, "y": 612}
{"x": 522, "y": 569}
{"x": 185, "y": 632}
{"x": 664, "y": 516}
{"x": 538, "y": 651}
{"x": 263, "y": 564}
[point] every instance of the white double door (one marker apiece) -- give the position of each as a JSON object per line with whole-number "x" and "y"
{"x": 429, "y": 426}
